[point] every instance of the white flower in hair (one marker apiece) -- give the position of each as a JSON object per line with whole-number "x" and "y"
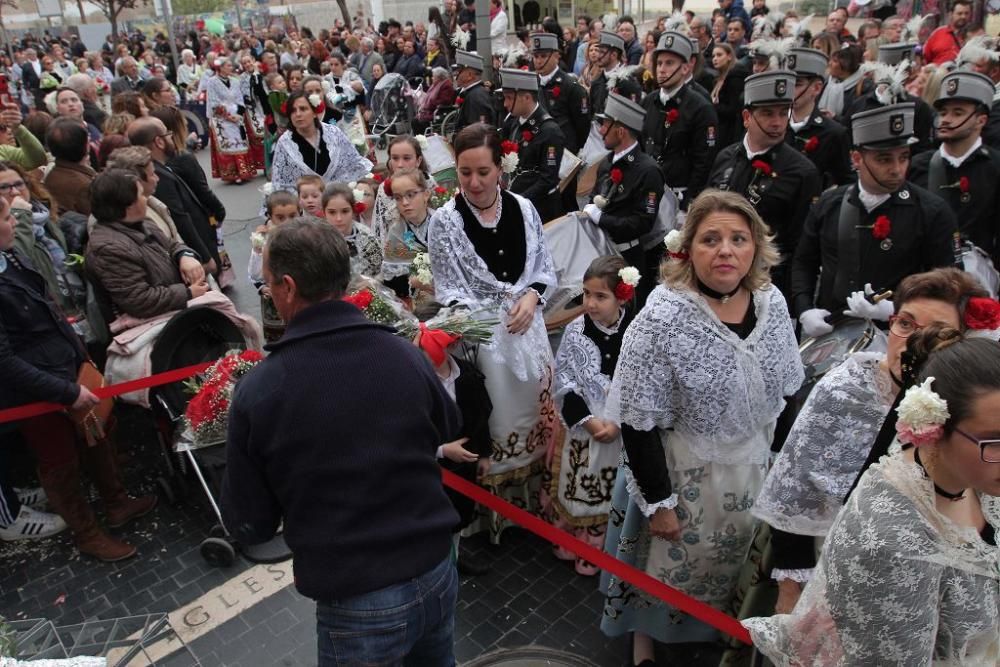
{"x": 674, "y": 240}
{"x": 509, "y": 163}
{"x": 352, "y": 184}
{"x": 315, "y": 100}
{"x": 267, "y": 189}
{"x": 922, "y": 414}
{"x": 359, "y": 195}
{"x": 629, "y": 275}
{"x": 421, "y": 141}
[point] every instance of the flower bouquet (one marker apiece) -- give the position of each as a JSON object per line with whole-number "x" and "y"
{"x": 457, "y": 322}
{"x": 441, "y": 195}
{"x": 208, "y": 410}
{"x": 373, "y": 306}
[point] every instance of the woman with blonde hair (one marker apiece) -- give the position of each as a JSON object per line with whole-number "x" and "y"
{"x": 702, "y": 376}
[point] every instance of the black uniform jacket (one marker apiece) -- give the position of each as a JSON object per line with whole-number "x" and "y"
{"x": 477, "y": 105}
{"x": 541, "y": 148}
{"x": 567, "y": 101}
{"x": 826, "y": 143}
{"x": 633, "y": 187}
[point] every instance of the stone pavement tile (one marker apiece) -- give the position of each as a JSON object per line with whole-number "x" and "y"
{"x": 467, "y": 648}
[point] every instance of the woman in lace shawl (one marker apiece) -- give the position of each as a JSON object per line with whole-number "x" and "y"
{"x": 834, "y": 432}
{"x": 231, "y": 158}
{"x": 312, "y": 147}
{"x": 703, "y": 374}
{"x": 910, "y": 571}
{"x": 405, "y": 152}
{"x": 487, "y": 252}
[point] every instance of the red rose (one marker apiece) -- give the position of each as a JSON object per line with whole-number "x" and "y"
{"x": 507, "y": 147}
{"x": 762, "y": 167}
{"x": 527, "y": 135}
{"x": 616, "y": 175}
{"x": 387, "y": 186}
{"x": 252, "y": 356}
{"x": 882, "y": 228}
{"x": 982, "y": 313}
{"x": 624, "y": 291}
{"x": 555, "y": 92}
{"x": 459, "y": 100}
{"x": 362, "y": 299}
{"x": 963, "y": 184}
{"x": 672, "y": 116}
{"x": 811, "y": 145}
{"x": 360, "y": 207}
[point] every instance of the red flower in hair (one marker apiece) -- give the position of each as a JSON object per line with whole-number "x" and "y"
{"x": 555, "y": 92}
{"x": 362, "y": 299}
{"x": 387, "y": 186}
{"x": 672, "y": 116}
{"x": 762, "y": 167}
{"x": 507, "y": 147}
{"x": 624, "y": 291}
{"x": 982, "y": 313}
{"x": 963, "y": 184}
{"x": 360, "y": 207}
{"x": 527, "y": 135}
{"x": 524, "y": 68}
{"x": 882, "y": 227}
{"x": 378, "y": 178}
{"x": 459, "y": 100}
{"x": 812, "y": 143}
{"x": 616, "y": 175}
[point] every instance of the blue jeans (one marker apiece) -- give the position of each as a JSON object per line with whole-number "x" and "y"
{"x": 410, "y": 623}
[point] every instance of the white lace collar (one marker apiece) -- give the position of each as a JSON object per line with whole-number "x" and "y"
{"x": 613, "y": 329}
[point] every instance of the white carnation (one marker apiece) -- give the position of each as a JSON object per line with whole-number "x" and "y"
{"x": 359, "y": 195}
{"x": 674, "y": 240}
{"x": 630, "y": 275}
{"x": 600, "y": 202}
{"x": 422, "y": 142}
{"x": 922, "y": 407}
{"x": 352, "y": 185}
{"x": 315, "y": 100}
{"x": 257, "y": 240}
{"x": 425, "y": 277}
{"x": 509, "y": 163}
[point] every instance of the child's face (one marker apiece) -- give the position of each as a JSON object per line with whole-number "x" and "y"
{"x": 599, "y": 302}
{"x": 279, "y": 84}
{"x": 311, "y": 199}
{"x": 369, "y": 196}
{"x": 340, "y": 214}
{"x": 284, "y": 213}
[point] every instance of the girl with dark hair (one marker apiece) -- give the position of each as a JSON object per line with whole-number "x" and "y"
{"x": 909, "y": 572}
{"x": 405, "y": 152}
{"x": 340, "y": 210}
{"x": 582, "y": 466}
{"x": 487, "y": 252}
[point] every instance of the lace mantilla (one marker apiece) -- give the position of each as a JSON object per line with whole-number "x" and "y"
{"x": 346, "y": 164}
{"x": 578, "y": 370}
{"x": 682, "y": 368}
{"x": 461, "y": 276}
{"x": 826, "y": 447}
{"x": 366, "y": 253}
{"x": 802, "y": 576}
{"x": 898, "y": 584}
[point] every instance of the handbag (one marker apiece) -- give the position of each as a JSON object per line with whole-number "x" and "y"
{"x": 91, "y": 424}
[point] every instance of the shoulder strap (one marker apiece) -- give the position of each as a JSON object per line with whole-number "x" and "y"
{"x": 936, "y": 173}
{"x": 848, "y": 248}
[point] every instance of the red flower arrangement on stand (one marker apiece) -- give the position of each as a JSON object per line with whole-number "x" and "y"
{"x": 207, "y": 412}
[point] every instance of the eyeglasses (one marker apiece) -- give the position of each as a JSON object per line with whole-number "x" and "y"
{"x": 407, "y": 196}
{"x": 7, "y": 187}
{"x": 166, "y": 134}
{"x": 903, "y": 327}
{"x": 989, "y": 450}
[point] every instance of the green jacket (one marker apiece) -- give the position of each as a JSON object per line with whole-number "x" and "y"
{"x": 25, "y": 241}
{"x": 28, "y": 154}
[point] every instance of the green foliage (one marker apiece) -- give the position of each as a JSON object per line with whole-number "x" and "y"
{"x": 182, "y": 7}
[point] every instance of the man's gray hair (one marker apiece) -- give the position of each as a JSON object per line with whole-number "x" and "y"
{"x": 369, "y": 42}
{"x": 314, "y": 254}
{"x": 80, "y": 83}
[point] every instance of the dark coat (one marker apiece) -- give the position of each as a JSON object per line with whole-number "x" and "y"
{"x": 537, "y": 175}
{"x": 601, "y": 87}
{"x": 477, "y": 105}
{"x": 632, "y": 203}
{"x": 475, "y": 407}
{"x": 991, "y": 133}
{"x": 190, "y": 215}
{"x": 831, "y": 150}
{"x": 568, "y": 103}
{"x": 359, "y": 490}
{"x": 923, "y": 235}
{"x": 39, "y": 352}
{"x": 729, "y": 108}
{"x": 94, "y": 114}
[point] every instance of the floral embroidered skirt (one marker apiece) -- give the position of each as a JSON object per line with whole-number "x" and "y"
{"x": 716, "y": 532}
{"x": 231, "y": 157}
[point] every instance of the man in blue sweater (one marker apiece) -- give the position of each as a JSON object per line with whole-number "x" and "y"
{"x": 335, "y": 434}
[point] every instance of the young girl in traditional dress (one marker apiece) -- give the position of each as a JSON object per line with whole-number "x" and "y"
{"x": 406, "y": 236}
{"x": 281, "y": 207}
{"x": 367, "y": 186}
{"x": 582, "y": 466}
{"x": 340, "y": 210}
{"x": 404, "y": 153}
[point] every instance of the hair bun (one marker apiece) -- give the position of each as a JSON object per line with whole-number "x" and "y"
{"x": 919, "y": 347}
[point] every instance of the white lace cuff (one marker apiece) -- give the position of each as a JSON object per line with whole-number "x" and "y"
{"x": 635, "y": 493}
{"x": 582, "y": 421}
{"x": 801, "y": 576}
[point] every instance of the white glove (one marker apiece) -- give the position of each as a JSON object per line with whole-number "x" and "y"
{"x": 859, "y": 306}
{"x": 814, "y": 323}
{"x": 592, "y": 212}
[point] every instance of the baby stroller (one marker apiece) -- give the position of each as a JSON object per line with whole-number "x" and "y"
{"x": 193, "y": 336}
{"x": 392, "y": 108}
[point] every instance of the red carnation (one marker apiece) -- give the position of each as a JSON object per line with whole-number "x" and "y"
{"x": 762, "y": 167}
{"x": 387, "y": 186}
{"x": 440, "y": 190}
{"x": 882, "y": 227}
{"x": 362, "y": 299}
{"x": 811, "y": 145}
{"x": 616, "y": 175}
{"x": 672, "y": 116}
{"x": 360, "y": 207}
{"x": 459, "y": 100}
{"x": 982, "y": 313}
{"x": 527, "y": 135}
{"x": 253, "y": 356}
{"x": 507, "y": 147}
{"x": 378, "y": 178}
{"x": 624, "y": 291}
{"x": 524, "y": 68}
{"x": 555, "y": 92}
{"x": 963, "y": 184}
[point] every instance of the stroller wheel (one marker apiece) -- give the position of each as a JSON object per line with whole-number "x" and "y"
{"x": 217, "y": 531}
{"x": 218, "y": 552}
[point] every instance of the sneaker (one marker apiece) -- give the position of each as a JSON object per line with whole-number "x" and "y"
{"x": 34, "y": 498}
{"x": 32, "y": 525}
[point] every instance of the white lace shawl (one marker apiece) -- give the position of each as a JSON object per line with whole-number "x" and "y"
{"x": 826, "y": 447}
{"x": 398, "y": 255}
{"x": 367, "y": 258}
{"x": 578, "y": 370}
{"x": 682, "y": 368}
{"x": 460, "y": 275}
{"x": 898, "y": 584}
{"x": 346, "y": 164}
{"x": 218, "y": 94}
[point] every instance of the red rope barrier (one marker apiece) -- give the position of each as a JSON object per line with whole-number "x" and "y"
{"x": 632, "y": 575}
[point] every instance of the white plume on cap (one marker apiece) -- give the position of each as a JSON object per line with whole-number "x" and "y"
{"x": 763, "y": 28}
{"x": 460, "y": 38}
{"x": 982, "y": 47}
{"x": 513, "y": 53}
{"x": 678, "y": 22}
{"x": 912, "y": 29}
{"x": 889, "y": 79}
{"x": 801, "y": 27}
{"x": 610, "y": 21}
{"x": 775, "y": 49}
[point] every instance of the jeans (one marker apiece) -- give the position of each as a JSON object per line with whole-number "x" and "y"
{"x": 410, "y": 623}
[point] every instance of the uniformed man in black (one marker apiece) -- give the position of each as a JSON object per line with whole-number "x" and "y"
{"x": 823, "y": 140}
{"x": 617, "y": 77}
{"x": 923, "y": 123}
{"x": 680, "y": 126}
{"x": 561, "y": 94}
{"x": 626, "y": 199}
{"x": 980, "y": 54}
{"x": 540, "y": 143}
{"x": 875, "y": 231}
{"x": 963, "y": 171}
{"x": 474, "y": 100}
{"x": 779, "y": 182}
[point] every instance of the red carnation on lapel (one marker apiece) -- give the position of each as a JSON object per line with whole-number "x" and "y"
{"x": 459, "y": 100}
{"x": 882, "y": 227}
{"x": 672, "y": 116}
{"x": 555, "y": 92}
{"x": 963, "y": 184}
{"x": 527, "y": 135}
{"x": 811, "y": 145}
{"x": 616, "y": 175}
{"x": 762, "y": 167}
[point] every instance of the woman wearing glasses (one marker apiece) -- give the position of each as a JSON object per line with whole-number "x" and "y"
{"x": 910, "y": 571}
{"x": 834, "y": 432}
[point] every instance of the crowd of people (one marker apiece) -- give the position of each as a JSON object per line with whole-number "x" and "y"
{"x": 753, "y": 184}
